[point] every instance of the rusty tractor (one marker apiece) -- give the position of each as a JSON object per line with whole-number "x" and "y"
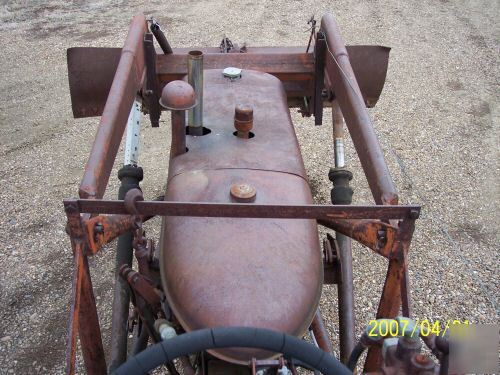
{"x": 235, "y": 283}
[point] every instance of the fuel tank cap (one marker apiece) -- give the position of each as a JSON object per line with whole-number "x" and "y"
{"x": 232, "y": 72}
{"x": 243, "y": 192}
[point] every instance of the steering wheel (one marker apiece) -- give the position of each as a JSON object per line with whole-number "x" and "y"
{"x": 232, "y": 337}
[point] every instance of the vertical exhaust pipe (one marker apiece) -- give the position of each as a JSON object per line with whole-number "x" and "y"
{"x": 195, "y": 79}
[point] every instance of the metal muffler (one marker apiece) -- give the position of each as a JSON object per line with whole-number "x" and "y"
{"x": 195, "y": 79}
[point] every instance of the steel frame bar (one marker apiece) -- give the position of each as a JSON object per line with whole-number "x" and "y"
{"x": 365, "y": 232}
{"x": 346, "y": 90}
{"x": 260, "y": 211}
{"x": 102, "y": 229}
{"x": 345, "y": 289}
{"x": 152, "y": 92}
{"x": 319, "y": 77}
{"x": 396, "y": 288}
{"x": 112, "y": 226}
{"x": 320, "y": 333}
{"x": 340, "y": 77}
{"x": 128, "y": 80}
{"x": 83, "y": 317}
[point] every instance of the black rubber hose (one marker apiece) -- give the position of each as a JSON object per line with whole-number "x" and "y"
{"x": 241, "y": 337}
{"x": 161, "y": 38}
{"x": 355, "y": 354}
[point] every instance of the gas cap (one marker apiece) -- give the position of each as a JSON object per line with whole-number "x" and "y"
{"x": 232, "y": 72}
{"x": 243, "y": 192}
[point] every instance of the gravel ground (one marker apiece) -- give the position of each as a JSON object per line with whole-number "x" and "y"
{"x": 437, "y": 120}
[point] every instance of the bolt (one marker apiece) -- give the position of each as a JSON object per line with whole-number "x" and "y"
{"x": 71, "y": 208}
{"x": 414, "y": 213}
{"x": 98, "y": 228}
{"x": 381, "y": 238}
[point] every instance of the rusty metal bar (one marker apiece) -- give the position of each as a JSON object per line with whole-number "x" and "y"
{"x": 366, "y": 232}
{"x": 126, "y": 83}
{"x": 321, "y": 334}
{"x": 319, "y": 76}
{"x": 89, "y": 330}
{"x": 152, "y": 92}
{"x": 345, "y": 289}
{"x": 272, "y": 63}
{"x": 75, "y": 309}
{"x": 393, "y": 290}
{"x": 83, "y": 318}
{"x": 199, "y": 209}
{"x": 103, "y": 229}
{"x": 347, "y": 92}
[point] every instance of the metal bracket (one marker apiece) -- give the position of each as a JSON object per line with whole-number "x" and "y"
{"x": 319, "y": 77}
{"x": 133, "y": 140}
{"x": 151, "y": 94}
{"x": 374, "y": 234}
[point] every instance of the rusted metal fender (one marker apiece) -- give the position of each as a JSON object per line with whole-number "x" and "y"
{"x": 264, "y": 273}
{"x": 91, "y": 70}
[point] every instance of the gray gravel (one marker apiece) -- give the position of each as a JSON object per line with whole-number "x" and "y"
{"x": 437, "y": 120}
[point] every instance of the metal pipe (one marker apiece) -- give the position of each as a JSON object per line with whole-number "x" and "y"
{"x": 126, "y": 82}
{"x": 178, "y": 146}
{"x": 338, "y": 134}
{"x": 130, "y": 176}
{"x": 320, "y": 333}
{"x": 340, "y": 74}
{"x": 195, "y": 79}
{"x": 346, "y": 298}
{"x": 345, "y": 285}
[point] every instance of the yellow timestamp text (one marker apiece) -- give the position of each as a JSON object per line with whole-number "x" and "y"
{"x": 407, "y": 327}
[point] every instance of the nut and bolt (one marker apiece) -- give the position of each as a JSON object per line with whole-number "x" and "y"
{"x": 381, "y": 238}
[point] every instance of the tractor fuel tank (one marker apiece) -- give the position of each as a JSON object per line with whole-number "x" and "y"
{"x": 219, "y": 272}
